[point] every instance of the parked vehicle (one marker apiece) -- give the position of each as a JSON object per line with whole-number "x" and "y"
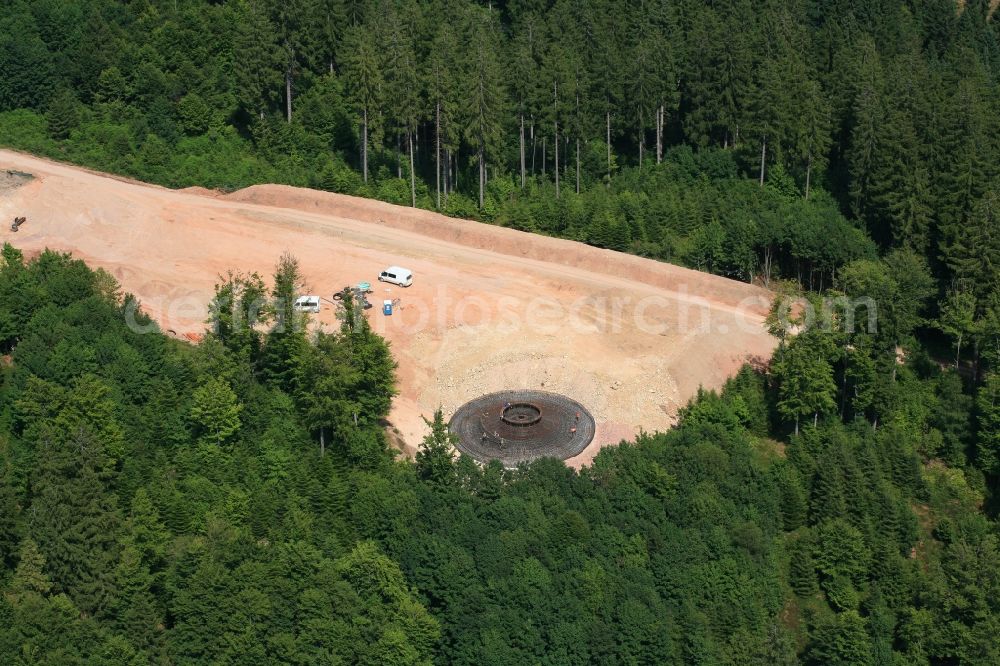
{"x": 397, "y": 275}
{"x": 307, "y": 304}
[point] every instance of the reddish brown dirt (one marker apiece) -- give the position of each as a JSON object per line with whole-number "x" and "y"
{"x": 490, "y": 308}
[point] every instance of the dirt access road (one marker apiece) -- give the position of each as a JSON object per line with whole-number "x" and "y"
{"x": 490, "y": 308}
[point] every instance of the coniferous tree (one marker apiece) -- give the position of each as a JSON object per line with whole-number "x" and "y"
{"x": 443, "y": 93}
{"x": 972, "y": 252}
{"x": 9, "y": 511}
{"x": 63, "y": 115}
{"x": 256, "y": 60}
{"x": 717, "y": 84}
{"x": 435, "y": 459}
{"x": 145, "y": 530}
{"x": 524, "y": 80}
{"x": 861, "y": 373}
{"x": 29, "y": 576}
{"x": 371, "y": 357}
{"x": 867, "y": 113}
{"x": 966, "y": 155}
{"x": 75, "y": 519}
{"x": 827, "y": 500}
{"x": 802, "y": 568}
{"x": 287, "y": 335}
{"x": 794, "y": 503}
{"x": 988, "y": 422}
{"x": 136, "y": 612}
{"x": 401, "y": 80}
{"x": 326, "y": 381}
{"x": 766, "y": 102}
{"x": 202, "y": 603}
{"x": 26, "y": 65}
{"x": 812, "y": 133}
{"x": 989, "y": 332}
{"x": 644, "y": 85}
{"x": 558, "y": 77}
{"x": 292, "y": 21}
{"x": 605, "y": 45}
{"x": 901, "y": 187}
{"x": 841, "y": 640}
{"x": 331, "y": 19}
{"x": 365, "y": 85}
{"x": 74, "y": 515}
{"x": 485, "y": 101}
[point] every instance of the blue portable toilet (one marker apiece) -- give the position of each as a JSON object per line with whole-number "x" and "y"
{"x": 387, "y": 307}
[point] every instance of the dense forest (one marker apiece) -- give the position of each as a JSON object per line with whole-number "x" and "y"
{"x": 638, "y": 126}
{"x": 236, "y": 501}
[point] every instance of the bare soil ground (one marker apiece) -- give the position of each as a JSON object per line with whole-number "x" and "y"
{"x": 490, "y": 308}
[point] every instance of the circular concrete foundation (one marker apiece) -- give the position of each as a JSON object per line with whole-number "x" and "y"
{"x": 521, "y": 426}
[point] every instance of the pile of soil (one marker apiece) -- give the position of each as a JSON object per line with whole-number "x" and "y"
{"x": 11, "y": 180}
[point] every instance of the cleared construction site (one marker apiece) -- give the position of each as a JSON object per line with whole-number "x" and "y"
{"x": 490, "y": 310}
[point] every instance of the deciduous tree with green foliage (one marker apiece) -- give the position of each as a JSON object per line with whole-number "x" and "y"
{"x": 215, "y": 411}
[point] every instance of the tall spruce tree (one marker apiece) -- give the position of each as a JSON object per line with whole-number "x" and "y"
{"x": 256, "y": 59}
{"x": 605, "y": 48}
{"x": 74, "y": 514}
{"x": 524, "y": 69}
{"x": 331, "y": 21}
{"x": 435, "y": 458}
{"x": 484, "y": 104}
{"x": 365, "y": 87}
{"x": 293, "y": 22}
{"x": 75, "y": 517}
{"x": 326, "y": 384}
{"x": 29, "y": 576}
{"x": 404, "y": 101}
{"x": 288, "y": 332}
{"x": 972, "y": 249}
{"x": 443, "y": 93}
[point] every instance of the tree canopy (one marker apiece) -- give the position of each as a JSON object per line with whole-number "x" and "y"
{"x": 237, "y": 501}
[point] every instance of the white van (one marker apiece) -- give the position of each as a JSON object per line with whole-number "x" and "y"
{"x": 396, "y": 275}
{"x": 307, "y": 304}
